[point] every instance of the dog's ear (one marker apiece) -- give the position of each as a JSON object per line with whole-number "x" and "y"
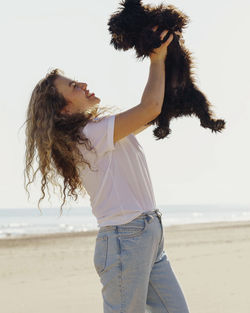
{"x": 130, "y": 2}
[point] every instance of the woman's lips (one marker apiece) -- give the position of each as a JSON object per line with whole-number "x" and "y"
{"x": 88, "y": 94}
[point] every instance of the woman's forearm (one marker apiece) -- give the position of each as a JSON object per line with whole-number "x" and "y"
{"x": 153, "y": 94}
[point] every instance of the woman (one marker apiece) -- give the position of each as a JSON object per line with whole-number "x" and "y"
{"x": 103, "y": 157}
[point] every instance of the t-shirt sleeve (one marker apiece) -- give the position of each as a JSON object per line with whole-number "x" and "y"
{"x": 101, "y": 134}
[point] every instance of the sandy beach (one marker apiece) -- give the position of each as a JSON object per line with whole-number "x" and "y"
{"x": 55, "y": 273}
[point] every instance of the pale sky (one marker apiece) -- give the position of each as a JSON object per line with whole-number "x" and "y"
{"x": 192, "y": 166}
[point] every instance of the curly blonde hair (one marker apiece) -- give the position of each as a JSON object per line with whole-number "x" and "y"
{"x": 52, "y": 138}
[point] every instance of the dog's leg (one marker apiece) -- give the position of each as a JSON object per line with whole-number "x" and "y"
{"x": 201, "y": 108}
{"x": 162, "y": 130}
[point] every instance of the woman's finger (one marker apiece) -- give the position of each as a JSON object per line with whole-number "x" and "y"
{"x": 155, "y": 28}
{"x": 163, "y": 34}
{"x": 171, "y": 37}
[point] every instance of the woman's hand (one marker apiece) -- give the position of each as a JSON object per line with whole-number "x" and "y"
{"x": 160, "y": 53}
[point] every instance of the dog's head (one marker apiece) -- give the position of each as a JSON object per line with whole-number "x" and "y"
{"x": 123, "y": 24}
{"x": 131, "y": 25}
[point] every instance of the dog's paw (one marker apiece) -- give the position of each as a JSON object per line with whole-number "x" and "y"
{"x": 161, "y": 133}
{"x": 218, "y": 126}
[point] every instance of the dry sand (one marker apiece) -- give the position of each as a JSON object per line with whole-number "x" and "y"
{"x": 55, "y": 273}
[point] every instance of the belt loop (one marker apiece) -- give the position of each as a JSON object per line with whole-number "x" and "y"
{"x": 158, "y": 213}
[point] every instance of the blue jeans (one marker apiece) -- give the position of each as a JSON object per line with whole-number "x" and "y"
{"x": 134, "y": 270}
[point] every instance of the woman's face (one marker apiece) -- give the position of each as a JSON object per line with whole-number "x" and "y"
{"x": 79, "y": 99}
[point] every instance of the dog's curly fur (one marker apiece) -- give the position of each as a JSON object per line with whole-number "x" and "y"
{"x": 131, "y": 27}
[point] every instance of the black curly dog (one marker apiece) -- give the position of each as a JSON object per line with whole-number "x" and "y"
{"x": 131, "y": 27}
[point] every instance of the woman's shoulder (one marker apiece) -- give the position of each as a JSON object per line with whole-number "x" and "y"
{"x": 100, "y": 131}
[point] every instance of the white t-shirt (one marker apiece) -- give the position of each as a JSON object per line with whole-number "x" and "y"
{"x": 120, "y": 186}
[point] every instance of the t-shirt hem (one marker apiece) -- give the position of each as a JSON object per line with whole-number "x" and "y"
{"x": 115, "y": 222}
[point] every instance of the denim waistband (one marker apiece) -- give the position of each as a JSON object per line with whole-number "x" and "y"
{"x": 155, "y": 213}
{"x": 151, "y": 213}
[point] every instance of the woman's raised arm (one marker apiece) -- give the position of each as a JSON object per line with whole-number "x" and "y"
{"x": 137, "y": 117}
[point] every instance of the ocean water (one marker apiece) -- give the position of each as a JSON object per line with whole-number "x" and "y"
{"x": 22, "y": 222}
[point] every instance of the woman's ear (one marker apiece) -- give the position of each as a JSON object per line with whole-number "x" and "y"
{"x": 66, "y": 108}
{"x": 64, "y": 111}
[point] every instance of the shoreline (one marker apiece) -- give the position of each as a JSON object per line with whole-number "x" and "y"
{"x": 91, "y": 233}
